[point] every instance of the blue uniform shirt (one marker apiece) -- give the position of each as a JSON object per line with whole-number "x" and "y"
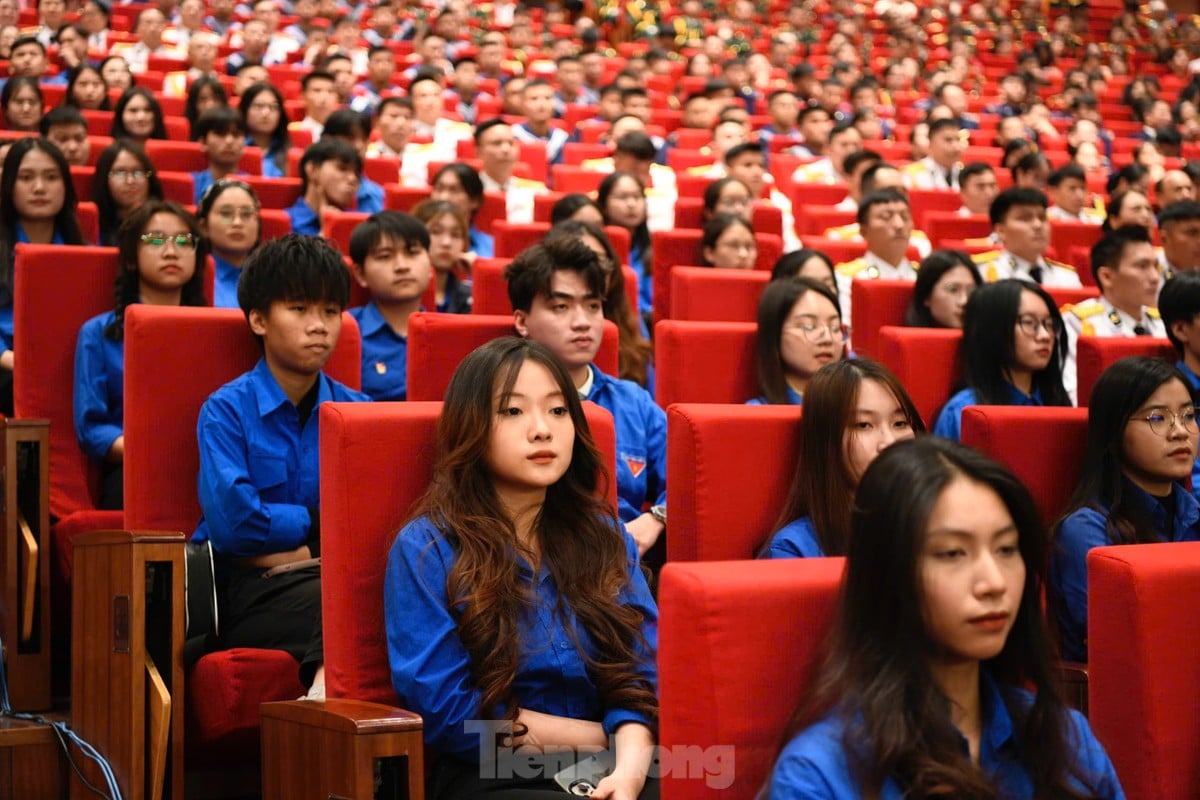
{"x": 370, "y": 196}
{"x": 1194, "y": 380}
{"x": 797, "y": 539}
{"x": 1087, "y": 528}
{"x": 949, "y": 422}
{"x": 431, "y": 670}
{"x": 225, "y": 283}
{"x": 481, "y": 244}
{"x": 99, "y": 387}
{"x": 645, "y": 282}
{"x": 816, "y": 766}
{"x": 641, "y": 428}
{"x": 304, "y": 220}
{"x": 200, "y": 182}
{"x": 259, "y": 472}
{"x": 384, "y": 355}
{"x": 794, "y": 398}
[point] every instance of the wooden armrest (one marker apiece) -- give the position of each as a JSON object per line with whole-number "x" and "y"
{"x": 1073, "y": 684}
{"x": 336, "y": 748}
{"x": 1072, "y": 672}
{"x": 356, "y": 717}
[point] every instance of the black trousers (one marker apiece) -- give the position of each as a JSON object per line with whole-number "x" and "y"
{"x": 112, "y": 488}
{"x": 282, "y": 612}
{"x": 456, "y": 780}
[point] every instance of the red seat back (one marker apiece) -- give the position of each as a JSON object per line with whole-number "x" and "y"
{"x": 669, "y": 247}
{"x": 723, "y": 687}
{"x": 1142, "y": 672}
{"x": 700, "y": 294}
{"x": 275, "y": 192}
{"x": 924, "y": 201}
{"x": 1043, "y": 446}
{"x": 751, "y": 453}
{"x": 367, "y": 494}
{"x": 1065, "y": 235}
{"x": 438, "y": 342}
{"x": 44, "y": 346}
{"x": 874, "y": 304}
{"x": 705, "y": 362}
{"x": 404, "y": 198}
{"x": 514, "y": 237}
{"x": 944, "y": 225}
{"x": 1094, "y": 354}
{"x": 174, "y": 359}
{"x": 927, "y": 362}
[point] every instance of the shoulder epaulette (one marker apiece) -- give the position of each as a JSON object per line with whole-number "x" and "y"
{"x": 1086, "y": 309}
{"x": 1059, "y": 264}
{"x": 843, "y": 232}
{"x": 984, "y": 258}
{"x": 1152, "y": 313}
{"x": 852, "y": 268}
{"x": 917, "y": 234}
{"x": 915, "y": 167}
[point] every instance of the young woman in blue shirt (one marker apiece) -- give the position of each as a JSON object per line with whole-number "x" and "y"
{"x": 261, "y": 107}
{"x": 231, "y": 219}
{"x": 939, "y": 679}
{"x": 800, "y": 330}
{"x": 622, "y": 199}
{"x": 855, "y": 410}
{"x": 514, "y": 603}
{"x": 1140, "y": 449}
{"x": 1013, "y": 349}
{"x": 162, "y": 257}
{"x": 124, "y": 179}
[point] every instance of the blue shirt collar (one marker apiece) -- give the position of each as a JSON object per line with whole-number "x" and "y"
{"x": 1022, "y": 399}
{"x": 269, "y": 396}
{"x": 371, "y": 320}
{"x": 1185, "y": 509}
{"x": 1191, "y": 376}
{"x": 23, "y": 238}
{"x": 599, "y": 380}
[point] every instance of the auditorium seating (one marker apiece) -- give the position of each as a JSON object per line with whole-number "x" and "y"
{"x": 438, "y": 342}
{"x": 719, "y": 623}
{"x": 927, "y": 362}
{"x": 702, "y": 294}
{"x": 1094, "y": 354}
{"x": 489, "y": 290}
{"x": 670, "y": 249}
{"x": 1142, "y": 639}
{"x": 514, "y": 237}
{"x": 705, "y": 362}
{"x": 174, "y": 359}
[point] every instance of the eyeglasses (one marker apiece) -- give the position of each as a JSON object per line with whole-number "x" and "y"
{"x": 814, "y": 331}
{"x": 135, "y": 175}
{"x": 240, "y": 214}
{"x": 1161, "y": 422}
{"x": 1030, "y": 325}
{"x": 182, "y": 241}
{"x": 25, "y": 102}
{"x": 264, "y": 106}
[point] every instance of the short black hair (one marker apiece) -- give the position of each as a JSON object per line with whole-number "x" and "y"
{"x": 1179, "y": 211}
{"x": 345, "y": 121}
{"x": 842, "y": 127}
{"x": 859, "y": 157}
{"x": 24, "y": 40}
{"x": 220, "y": 120}
{"x": 375, "y": 49}
{"x": 531, "y": 273}
{"x": 743, "y": 147}
{"x": 485, "y": 126}
{"x": 1069, "y": 171}
{"x": 315, "y": 75}
{"x": 866, "y": 183}
{"x": 393, "y": 100}
{"x": 1179, "y": 301}
{"x": 60, "y": 115}
{"x": 293, "y": 267}
{"x": 971, "y": 170}
{"x": 946, "y": 123}
{"x": 878, "y": 198}
{"x": 632, "y": 91}
{"x": 394, "y": 225}
{"x": 637, "y": 144}
{"x": 1111, "y": 248}
{"x": 1015, "y": 196}
{"x": 328, "y": 149}
{"x": 809, "y": 110}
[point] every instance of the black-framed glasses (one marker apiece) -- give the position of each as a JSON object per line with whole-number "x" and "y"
{"x": 1030, "y": 325}
{"x": 182, "y": 241}
{"x": 1162, "y": 421}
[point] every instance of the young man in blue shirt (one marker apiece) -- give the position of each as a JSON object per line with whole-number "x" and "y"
{"x": 222, "y": 137}
{"x": 354, "y": 128}
{"x": 557, "y": 292}
{"x": 258, "y": 435}
{"x": 330, "y": 171}
{"x": 390, "y": 252}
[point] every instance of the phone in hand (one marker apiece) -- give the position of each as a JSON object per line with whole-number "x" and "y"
{"x": 582, "y": 778}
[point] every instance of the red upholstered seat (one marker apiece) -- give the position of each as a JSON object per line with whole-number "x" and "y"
{"x": 514, "y": 237}
{"x": 927, "y": 362}
{"x": 438, "y": 342}
{"x": 943, "y": 225}
{"x": 43, "y": 388}
{"x": 1143, "y": 636}
{"x": 404, "y": 198}
{"x": 489, "y": 290}
{"x": 185, "y": 156}
{"x": 705, "y": 362}
{"x": 174, "y": 359}
{"x": 1043, "y": 446}
{"x": 701, "y": 294}
{"x": 925, "y": 201}
{"x": 874, "y": 304}
{"x": 670, "y": 249}
{"x": 1094, "y": 354}
{"x": 730, "y": 467}
{"x": 1065, "y": 235}
{"x": 275, "y": 192}
{"x": 367, "y": 495}
{"x": 738, "y": 645}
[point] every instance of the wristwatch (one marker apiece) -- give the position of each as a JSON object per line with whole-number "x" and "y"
{"x": 659, "y": 512}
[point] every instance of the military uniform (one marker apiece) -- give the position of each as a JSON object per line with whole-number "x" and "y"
{"x": 1089, "y": 215}
{"x": 852, "y": 233}
{"x": 869, "y": 267}
{"x": 997, "y": 265}
{"x": 820, "y": 171}
{"x": 661, "y": 194}
{"x": 431, "y": 143}
{"x": 928, "y": 174}
{"x": 1099, "y": 317}
{"x": 518, "y": 195}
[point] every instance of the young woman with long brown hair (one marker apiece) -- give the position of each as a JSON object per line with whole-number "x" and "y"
{"x": 853, "y": 411}
{"x": 514, "y": 603}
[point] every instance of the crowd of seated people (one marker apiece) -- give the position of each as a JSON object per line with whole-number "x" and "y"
{"x": 988, "y": 162}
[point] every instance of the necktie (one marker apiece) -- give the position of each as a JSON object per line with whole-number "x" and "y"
{"x": 1035, "y": 272}
{"x": 1140, "y": 330}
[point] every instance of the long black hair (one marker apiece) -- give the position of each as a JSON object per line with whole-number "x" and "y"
{"x": 935, "y": 265}
{"x": 110, "y": 215}
{"x": 988, "y": 348}
{"x": 281, "y": 140}
{"x": 877, "y": 673}
{"x": 118, "y": 125}
{"x": 641, "y": 235}
{"x": 66, "y": 223}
